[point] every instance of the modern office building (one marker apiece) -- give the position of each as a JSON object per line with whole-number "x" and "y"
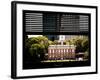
{"x": 56, "y": 22}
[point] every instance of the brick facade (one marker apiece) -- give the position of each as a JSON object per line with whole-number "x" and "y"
{"x": 61, "y": 52}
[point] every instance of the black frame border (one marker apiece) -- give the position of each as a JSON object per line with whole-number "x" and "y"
{"x": 14, "y": 37}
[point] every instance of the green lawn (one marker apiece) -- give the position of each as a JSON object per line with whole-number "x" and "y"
{"x": 62, "y": 60}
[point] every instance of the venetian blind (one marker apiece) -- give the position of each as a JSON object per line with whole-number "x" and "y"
{"x": 56, "y": 22}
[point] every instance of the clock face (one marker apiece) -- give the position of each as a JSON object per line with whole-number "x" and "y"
{"x": 61, "y": 37}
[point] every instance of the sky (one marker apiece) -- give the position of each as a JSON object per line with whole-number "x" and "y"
{"x": 29, "y": 36}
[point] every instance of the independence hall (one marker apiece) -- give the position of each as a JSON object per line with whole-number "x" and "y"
{"x": 61, "y": 52}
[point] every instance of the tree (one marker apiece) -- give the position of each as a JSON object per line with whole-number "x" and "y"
{"x": 85, "y": 44}
{"x": 50, "y": 42}
{"x": 81, "y": 43}
{"x": 55, "y": 42}
{"x": 37, "y": 51}
{"x": 78, "y": 45}
{"x": 37, "y": 47}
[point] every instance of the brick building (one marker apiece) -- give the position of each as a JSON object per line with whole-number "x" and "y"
{"x": 61, "y": 52}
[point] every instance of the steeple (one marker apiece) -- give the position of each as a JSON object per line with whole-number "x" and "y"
{"x": 61, "y": 39}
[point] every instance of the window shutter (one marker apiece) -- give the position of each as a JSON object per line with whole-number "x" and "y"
{"x": 56, "y": 22}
